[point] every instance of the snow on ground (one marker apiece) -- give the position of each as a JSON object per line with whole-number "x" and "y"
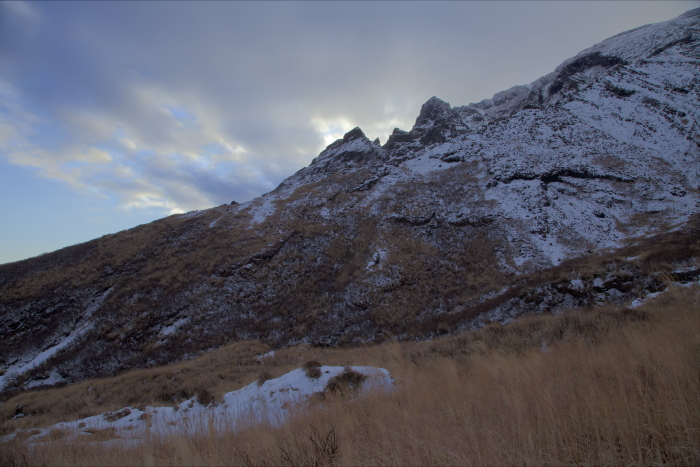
{"x": 425, "y": 164}
{"x": 167, "y": 330}
{"x": 642, "y": 41}
{"x": 272, "y": 402}
{"x": 640, "y": 301}
{"x": 54, "y": 378}
{"x": 269, "y": 354}
{"x": 262, "y": 210}
{"x": 28, "y": 362}
{"x": 191, "y": 214}
{"x": 377, "y": 258}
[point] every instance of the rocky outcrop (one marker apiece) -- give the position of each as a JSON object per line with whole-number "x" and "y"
{"x": 565, "y": 78}
{"x": 351, "y": 152}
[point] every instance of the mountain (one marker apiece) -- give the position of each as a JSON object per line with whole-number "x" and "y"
{"x": 575, "y": 190}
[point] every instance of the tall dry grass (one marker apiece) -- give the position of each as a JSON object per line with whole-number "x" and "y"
{"x": 631, "y": 396}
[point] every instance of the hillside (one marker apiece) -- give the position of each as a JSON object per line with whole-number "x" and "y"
{"x": 606, "y": 386}
{"x": 575, "y": 190}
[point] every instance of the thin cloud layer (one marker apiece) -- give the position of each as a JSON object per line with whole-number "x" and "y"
{"x": 187, "y": 105}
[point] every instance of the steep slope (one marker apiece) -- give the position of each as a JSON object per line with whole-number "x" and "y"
{"x": 477, "y": 211}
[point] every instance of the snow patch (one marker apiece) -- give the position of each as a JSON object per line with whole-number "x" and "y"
{"x": 424, "y": 164}
{"x": 377, "y": 258}
{"x": 273, "y": 402}
{"x": 269, "y": 354}
{"x": 53, "y": 378}
{"x": 167, "y": 330}
{"x": 263, "y": 210}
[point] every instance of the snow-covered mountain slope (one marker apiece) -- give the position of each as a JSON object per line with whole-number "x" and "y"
{"x": 427, "y": 233}
{"x": 272, "y": 402}
{"x": 610, "y": 134}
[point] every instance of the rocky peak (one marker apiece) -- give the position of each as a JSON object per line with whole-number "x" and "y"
{"x": 353, "y": 134}
{"x": 436, "y": 122}
{"x": 356, "y": 135}
{"x": 398, "y": 136}
{"x": 434, "y": 111}
{"x": 354, "y": 150}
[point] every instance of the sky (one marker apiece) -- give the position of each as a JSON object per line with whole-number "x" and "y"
{"x": 114, "y": 114}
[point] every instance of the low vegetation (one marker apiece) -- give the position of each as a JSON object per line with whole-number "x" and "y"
{"x": 312, "y": 369}
{"x": 347, "y": 382}
{"x": 610, "y": 385}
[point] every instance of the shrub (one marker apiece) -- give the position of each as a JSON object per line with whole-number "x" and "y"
{"x": 264, "y": 376}
{"x": 312, "y": 368}
{"x": 205, "y": 398}
{"x": 347, "y": 381}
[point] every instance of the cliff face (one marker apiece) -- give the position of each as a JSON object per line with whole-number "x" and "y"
{"x": 443, "y": 227}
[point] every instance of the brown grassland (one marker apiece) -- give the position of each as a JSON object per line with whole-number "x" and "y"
{"x": 604, "y": 386}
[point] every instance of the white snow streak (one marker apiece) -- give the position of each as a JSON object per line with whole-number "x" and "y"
{"x": 273, "y": 402}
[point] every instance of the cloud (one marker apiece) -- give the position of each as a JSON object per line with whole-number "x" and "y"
{"x": 181, "y": 106}
{"x": 95, "y": 156}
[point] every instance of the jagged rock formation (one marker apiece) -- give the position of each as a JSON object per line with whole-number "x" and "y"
{"x": 443, "y": 227}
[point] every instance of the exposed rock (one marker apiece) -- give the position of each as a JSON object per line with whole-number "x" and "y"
{"x": 412, "y": 220}
{"x": 452, "y": 157}
{"x": 435, "y": 112}
{"x": 398, "y": 136}
{"x": 580, "y": 65}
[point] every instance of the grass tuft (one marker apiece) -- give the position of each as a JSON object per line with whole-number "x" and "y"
{"x": 264, "y": 376}
{"x": 312, "y": 368}
{"x": 347, "y": 382}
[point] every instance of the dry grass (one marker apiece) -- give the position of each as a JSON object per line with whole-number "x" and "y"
{"x": 207, "y": 378}
{"x": 611, "y": 387}
{"x": 345, "y": 383}
{"x": 312, "y": 369}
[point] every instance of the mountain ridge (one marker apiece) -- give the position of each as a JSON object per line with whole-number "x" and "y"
{"x": 480, "y": 212}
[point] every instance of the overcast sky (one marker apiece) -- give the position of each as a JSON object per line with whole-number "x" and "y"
{"x": 117, "y": 114}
